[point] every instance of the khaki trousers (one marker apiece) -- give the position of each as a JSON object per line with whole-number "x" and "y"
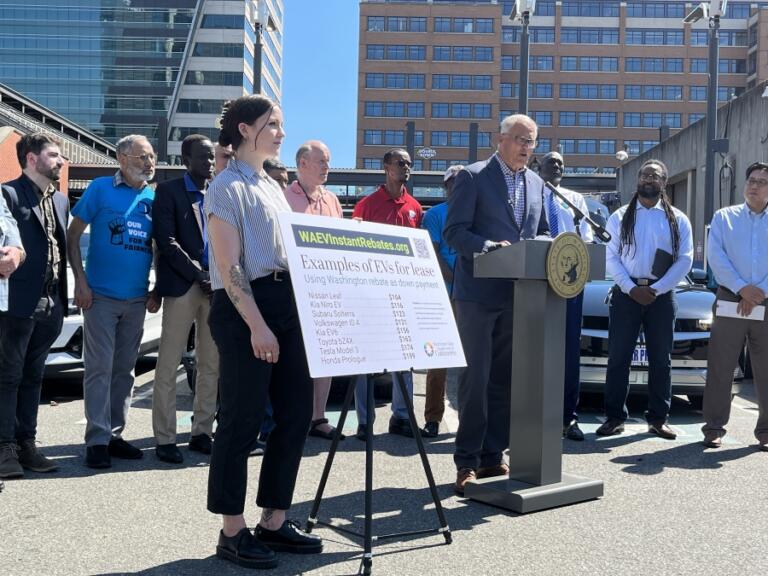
{"x": 178, "y": 316}
{"x": 725, "y": 344}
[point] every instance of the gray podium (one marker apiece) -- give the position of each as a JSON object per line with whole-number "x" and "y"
{"x": 536, "y": 480}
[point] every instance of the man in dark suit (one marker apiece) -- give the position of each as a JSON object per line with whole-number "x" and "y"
{"x": 183, "y": 282}
{"x": 495, "y": 203}
{"x": 37, "y": 300}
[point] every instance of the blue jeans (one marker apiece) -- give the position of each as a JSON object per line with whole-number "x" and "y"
{"x": 24, "y": 345}
{"x": 399, "y": 409}
{"x": 658, "y": 323}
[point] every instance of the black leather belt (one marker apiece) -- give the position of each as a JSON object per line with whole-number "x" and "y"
{"x": 274, "y": 276}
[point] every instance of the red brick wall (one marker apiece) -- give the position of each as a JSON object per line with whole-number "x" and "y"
{"x": 9, "y": 166}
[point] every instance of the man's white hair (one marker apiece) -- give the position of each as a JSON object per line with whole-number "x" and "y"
{"x": 515, "y": 119}
{"x": 125, "y": 144}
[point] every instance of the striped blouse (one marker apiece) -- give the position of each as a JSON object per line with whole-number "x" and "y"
{"x": 250, "y": 202}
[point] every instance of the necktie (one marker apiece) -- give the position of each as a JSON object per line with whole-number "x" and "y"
{"x": 204, "y": 258}
{"x": 553, "y": 216}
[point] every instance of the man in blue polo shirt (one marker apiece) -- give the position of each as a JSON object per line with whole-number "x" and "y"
{"x": 434, "y": 223}
{"x": 113, "y": 293}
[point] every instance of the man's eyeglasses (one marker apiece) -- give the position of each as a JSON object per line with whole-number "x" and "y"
{"x": 143, "y": 157}
{"x": 759, "y": 182}
{"x": 523, "y": 141}
{"x": 652, "y": 176}
{"x": 403, "y": 163}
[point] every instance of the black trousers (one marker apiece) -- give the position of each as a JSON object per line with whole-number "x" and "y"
{"x": 24, "y": 346}
{"x": 657, "y": 320}
{"x": 245, "y": 384}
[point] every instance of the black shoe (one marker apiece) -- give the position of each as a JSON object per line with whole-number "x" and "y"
{"x": 290, "y": 538}
{"x": 611, "y": 427}
{"x": 31, "y": 458}
{"x": 431, "y": 430}
{"x": 169, "y": 453}
{"x": 661, "y": 430}
{"x": 573, "y": 432}
{"x": 258, "y": 449}
{"x": 97, "y": 456}
{"x": 9, "y": 461}
{"x": 119, "y": 448}
{"x": 400, "y": 426}
{"x": 245, "y": 550}
{"x": 201, "y": 443}
{"x": 361, "y": 432}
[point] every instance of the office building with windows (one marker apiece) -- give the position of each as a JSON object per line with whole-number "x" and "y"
{"x": 161, "y": 68}
{"x": 605, "y": 75}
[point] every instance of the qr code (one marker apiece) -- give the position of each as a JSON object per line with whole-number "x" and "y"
{"x": 422, "y": 251}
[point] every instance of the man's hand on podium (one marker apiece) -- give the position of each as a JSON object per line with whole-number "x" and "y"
{"x": 491, "y": 245}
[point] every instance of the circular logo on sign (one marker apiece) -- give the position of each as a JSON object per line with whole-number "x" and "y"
{"x": 567, "y": 265}
{"x": 429, "y": 349}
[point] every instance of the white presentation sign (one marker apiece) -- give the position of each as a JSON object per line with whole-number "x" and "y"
{"x": 370, "y": 296}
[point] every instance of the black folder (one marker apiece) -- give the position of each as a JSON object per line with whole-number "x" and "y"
{"x": 662, "y": 262}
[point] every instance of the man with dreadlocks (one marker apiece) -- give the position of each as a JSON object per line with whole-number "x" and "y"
{"x": 650, "y": 252}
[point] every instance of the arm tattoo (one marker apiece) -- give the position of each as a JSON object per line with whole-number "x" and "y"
{"x": 237, "y": 286}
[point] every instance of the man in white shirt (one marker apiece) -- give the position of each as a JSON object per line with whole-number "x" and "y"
{"x": 650, "y": 251}
{"x": 738, "y": 256}
{"x": 561, "y": 219}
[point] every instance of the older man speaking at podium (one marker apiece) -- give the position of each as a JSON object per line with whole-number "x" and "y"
{"x": 495, "y": 203}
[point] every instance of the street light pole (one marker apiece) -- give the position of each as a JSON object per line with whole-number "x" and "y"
{"x": 709, "y": 174}
{"x": 257, "y": 55}
{"x": 524, "y": 49}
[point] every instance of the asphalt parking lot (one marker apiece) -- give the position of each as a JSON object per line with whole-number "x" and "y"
{"x": 669, "y": 507}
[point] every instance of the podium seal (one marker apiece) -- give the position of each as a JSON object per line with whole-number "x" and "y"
{"x": 567, "y": 265}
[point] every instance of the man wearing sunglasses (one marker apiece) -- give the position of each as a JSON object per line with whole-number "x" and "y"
{"x": 389, "y": 204}
{"x": 738, "y": 255}
{"x": 495, "y": 202}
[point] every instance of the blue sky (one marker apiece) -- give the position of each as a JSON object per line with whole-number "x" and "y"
{"x": 320, "y": 50}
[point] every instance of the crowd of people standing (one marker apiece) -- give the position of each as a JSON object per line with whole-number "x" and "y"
{"x": 221, "y": 266}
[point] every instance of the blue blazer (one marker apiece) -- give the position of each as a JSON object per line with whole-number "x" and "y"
{"x": 479, "y": 210}
{"x": 26, "y": 284}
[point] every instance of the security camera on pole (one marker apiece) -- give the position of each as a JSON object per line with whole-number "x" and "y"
{"x": 713, "y": 10}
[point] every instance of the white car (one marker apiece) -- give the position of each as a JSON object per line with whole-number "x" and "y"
{"x": 65, "y": 359}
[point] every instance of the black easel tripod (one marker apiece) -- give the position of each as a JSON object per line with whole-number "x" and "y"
{"x": 367, "y": 536}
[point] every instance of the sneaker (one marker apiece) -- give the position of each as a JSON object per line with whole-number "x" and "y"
{"x": 463, "y": 476}
{"x": 244, "y": 550}
{"x": 201, "y": 443}
{"x": 9, "y": 461}
{"x": 97, "y": 456}
{"x": 431, "y": 429}
{"x": 31, "y": 459}
{"x": 169, "y": 453}
{"x": 119, "y": 448}
{"x": 289, "y": 538}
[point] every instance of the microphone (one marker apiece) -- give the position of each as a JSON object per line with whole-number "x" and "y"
{"x": 578, "y": 215}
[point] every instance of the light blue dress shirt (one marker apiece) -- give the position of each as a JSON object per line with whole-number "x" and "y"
{"x": 651, "y": 233}
{"x": 737, "y": 248}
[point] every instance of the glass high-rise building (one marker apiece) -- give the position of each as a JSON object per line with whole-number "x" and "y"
{"x": 161, "y": 68}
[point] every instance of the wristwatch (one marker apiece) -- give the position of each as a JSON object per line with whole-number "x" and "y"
{"x": 487, "y": 245}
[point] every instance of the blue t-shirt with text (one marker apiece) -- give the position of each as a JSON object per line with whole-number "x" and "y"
{"x": 120, "y": 248}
